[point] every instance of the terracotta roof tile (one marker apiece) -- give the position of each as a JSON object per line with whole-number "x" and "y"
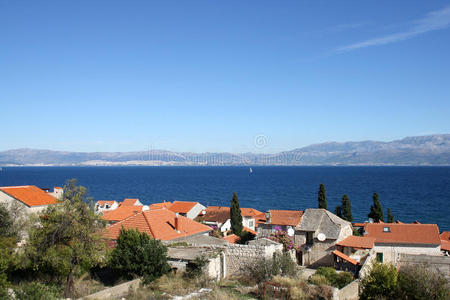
{"x": 232, "y": 238}
{"x": 122, "y": 212}
{"x": 361, "y": 242}
{"x": 403, "y": 233}
{"x": 285, "y": 217}
{"x": 445, "y": 245}
{"x": 222, "y": 213}
{"x": 445, "y": 235}
{"x": 30, "y": 195}
{"x": 182, "y": 207}
{"x": 345, "y": 257}
{"x": 250, "y": 231}
{"x": 160, "y": 205}
{"x": 128, "y": 202}
{"x": 159, "y": 224}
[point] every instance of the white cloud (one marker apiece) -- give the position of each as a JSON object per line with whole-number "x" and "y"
{"x": 432, "y": 21}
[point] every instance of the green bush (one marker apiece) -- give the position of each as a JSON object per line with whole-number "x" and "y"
{"x": 136, "y": 254}
{"x": 420, "y": 283}
{"x": 37, "y": 291}
{"x": 380, "y": 283}
{"x": 264, "y": 269}
{"x": 317, "y": 279}
{"x": 334, "y": 278}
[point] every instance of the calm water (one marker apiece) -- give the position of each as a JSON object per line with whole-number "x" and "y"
{"x": 413, "y": 193}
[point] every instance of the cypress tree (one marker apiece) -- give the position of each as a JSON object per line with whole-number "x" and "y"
{"x": 235, "y": 216}
{"x": 376, "y": 211}
{"x": 322, "y": 197}
{"x": 338, "y": 211}
{"x": 390, "y": 216}
{"x": 346, "y": 209}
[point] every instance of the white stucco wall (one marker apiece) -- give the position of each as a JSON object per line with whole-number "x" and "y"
{"x": 249, "y": 222}
{"x": 226, "y": 226}
{"x": 391, "y": 252}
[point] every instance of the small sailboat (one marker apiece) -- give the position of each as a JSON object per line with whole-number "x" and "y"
{"x": 251, "y": 171}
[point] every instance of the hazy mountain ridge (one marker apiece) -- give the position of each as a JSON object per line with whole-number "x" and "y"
{"x": 419, "y": 150}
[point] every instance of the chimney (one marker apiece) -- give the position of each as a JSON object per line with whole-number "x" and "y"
{"x": 268, "y": 217}
{"x": 177, "y": 222}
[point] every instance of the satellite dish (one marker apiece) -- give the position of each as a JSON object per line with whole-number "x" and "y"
{"x": 321, "y": 237}
{"x": 290, "y": 232}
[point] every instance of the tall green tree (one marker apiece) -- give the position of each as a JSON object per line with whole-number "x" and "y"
{"x": 376, "y": 211}
{"x": 390, "y": 216}
{"x": 338, "y": 211}
{"x": 236, "y": 216}
{"x": 136, "y": 254}
{"x": 346, "y": 209}
{"x": 67, "y": 239}
{"x": 322, "y": 197}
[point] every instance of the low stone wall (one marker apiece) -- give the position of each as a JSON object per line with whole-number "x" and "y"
{"x": 115, "y": 292}
{"x": 349, "y": 292}
{"x": 439, "y": 263}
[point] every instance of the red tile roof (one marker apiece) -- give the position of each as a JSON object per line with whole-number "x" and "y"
{"x": 102, "y": 203}
{"x": 128, "y": 202}
{"x": 445, "y": 235}
{"x": 160, "y": 205}
{"x": 250, "y": 231}
{"x": 232, "y": 238}
{"x": 159, "y": 224}
{"x": 122, "y": 212}
{"x": 182, "y": 207}
{"x": 285, "y": 217}
{"x": 359, "y": 224}
{"x": 358, "y": 242}
{"x": 403, "y": 233}
{"x": 345, "y": 257}
{"x": 29, "y": 195}
{"x": 445, "y": 245}
{"x": 222, "y": 213}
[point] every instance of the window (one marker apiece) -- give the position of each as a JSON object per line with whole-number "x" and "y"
{"x": 380, "y": 257}
{"x": 386, "y": 229}
{"x": 250, "y": 223}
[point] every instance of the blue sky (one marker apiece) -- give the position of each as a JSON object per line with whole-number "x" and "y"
{"x": 214, "y": 75}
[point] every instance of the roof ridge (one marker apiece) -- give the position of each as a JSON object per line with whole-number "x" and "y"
{"x": 148, "y": 224}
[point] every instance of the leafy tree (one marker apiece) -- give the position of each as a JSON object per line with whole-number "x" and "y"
{"x": 390, "y": 216}
{"x": 417, "y": 282}
{"x": 376, "y": 211}
{"x": 346, "y": 209}
{"x": 235, "y": 216}
{"x": 380, "y": 283}
{"x": 67, "y": 239}
{"x": 322, "y": 198}
{"x": 136, "y": 254}
{"x": 36, "y": 291}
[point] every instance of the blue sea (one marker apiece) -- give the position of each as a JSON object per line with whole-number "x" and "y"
{"x": 412, "y": 193}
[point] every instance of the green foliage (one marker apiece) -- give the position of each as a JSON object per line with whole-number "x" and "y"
{"x": 334, "y": 278}
{"x": 37, "y": 291}
{"x": 136, "y": 254}
{"x": 338, "y": 211}
{"x": 390, "y": 217}
{"x": 420, "y": 283}
{"x": 245, "y": 237}
{"x": 282, "y": 237}
{"x": 376, "y": 211}
{"x": 317, "y": 279}
{"x": 6, "y": 222}
{"x": 195, "y": 268}
{"x": 380, "y": 283}
{"x": 344, "y": 211}
{"x": 66, "y": 241}
{"x": 235, "y": 216}
{"x": 264, "y": 269}
{"x": 322, "y": 197}
{"x": 357, "y": 232}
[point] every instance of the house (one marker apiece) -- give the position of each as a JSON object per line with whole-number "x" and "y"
{"x": 219, "y": 216}
{"x": 317, "y": 235}
{"x": 106, "y": 205}
{"x": 161, "y": 224}
{"x": 188, "y": 209}
{"x": 393, "y": 239}
{"x": 352, "y": 252}
{"x": 30, "y": 197}
{"x": 286, "y": 220}
{"x": 160, "y": 205}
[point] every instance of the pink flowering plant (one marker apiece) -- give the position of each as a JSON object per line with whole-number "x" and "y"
{"x": 281, "y": 236}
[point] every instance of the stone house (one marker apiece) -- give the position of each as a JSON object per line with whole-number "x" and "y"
{"x": 286, "y": 220}
{"x": 394, "y": 239}
{"x": 29, "y": 197}
{"x": 317, "y": 235}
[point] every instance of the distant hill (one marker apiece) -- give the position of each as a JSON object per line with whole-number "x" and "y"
{"x": 420, "y": 150}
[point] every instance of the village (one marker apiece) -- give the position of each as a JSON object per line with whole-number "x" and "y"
{"x": 311, "y": 237}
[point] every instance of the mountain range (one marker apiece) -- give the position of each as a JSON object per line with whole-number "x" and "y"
{"x": 433, "y": 150}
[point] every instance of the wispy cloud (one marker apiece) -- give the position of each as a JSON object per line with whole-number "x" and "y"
{"x": 435, "y": 20}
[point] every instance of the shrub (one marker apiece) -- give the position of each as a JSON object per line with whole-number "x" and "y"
{"x": 343, "y": 279}
{"x": 264, "y": 269}
{"x": 37, "y": 291}
{"x": 317, "y": 279}
{"x": 136, "y": 254}
{"x": 380, "y": 283}
{"x": 420, "y": 283}
{"x": 195, "y": 268}
{"x": 334, "y": 278}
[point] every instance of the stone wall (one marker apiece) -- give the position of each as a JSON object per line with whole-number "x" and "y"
{"x": 115, "y": 292}
{"x": 439, "y": 263}
{"x": 348, "y": 292}
{"x": 391, "y": 253}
